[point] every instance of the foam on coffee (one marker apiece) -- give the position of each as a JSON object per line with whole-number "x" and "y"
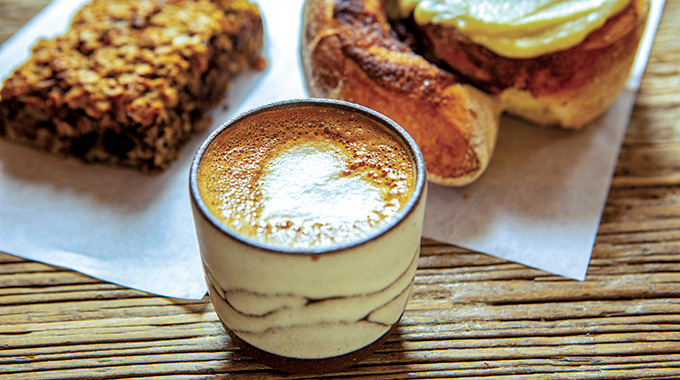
{"x": 305, "y": 177}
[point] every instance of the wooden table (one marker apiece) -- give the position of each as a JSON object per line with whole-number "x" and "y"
{"x": 470, "y": 315}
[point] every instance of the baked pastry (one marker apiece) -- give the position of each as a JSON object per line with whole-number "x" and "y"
{"x": 448, "y": 91}
{"x": 129, "y": 81}
{"x": 349, "y": 52}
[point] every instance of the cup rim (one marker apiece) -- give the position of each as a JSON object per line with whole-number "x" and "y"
{"x": 401, "y": 133}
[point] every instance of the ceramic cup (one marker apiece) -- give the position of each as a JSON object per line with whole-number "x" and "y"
{"x": 309, "y": 216}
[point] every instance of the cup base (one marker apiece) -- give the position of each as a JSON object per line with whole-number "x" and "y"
{"x": 309, "y": 366}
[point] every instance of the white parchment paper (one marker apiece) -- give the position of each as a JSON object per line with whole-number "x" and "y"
{"x": 116, "y": 224}
{"x": 538, "y": 204}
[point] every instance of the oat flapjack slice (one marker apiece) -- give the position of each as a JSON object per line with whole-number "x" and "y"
{"x": 128, "y": 83}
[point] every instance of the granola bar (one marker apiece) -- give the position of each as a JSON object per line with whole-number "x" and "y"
{"x": 129, "y": 81}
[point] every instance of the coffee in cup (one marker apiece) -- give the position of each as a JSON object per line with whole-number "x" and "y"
{"x": 309, "y": 216}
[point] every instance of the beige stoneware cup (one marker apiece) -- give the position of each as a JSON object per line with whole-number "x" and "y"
{"x": 317, "y": 308}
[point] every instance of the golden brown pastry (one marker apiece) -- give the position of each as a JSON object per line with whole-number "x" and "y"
{"x": 351, "y": 51}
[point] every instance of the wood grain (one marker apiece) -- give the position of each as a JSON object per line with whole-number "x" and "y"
{"x": 14, "y": 14}
{"x": 470, "y": 316}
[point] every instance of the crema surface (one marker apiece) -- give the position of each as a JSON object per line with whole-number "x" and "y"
{"x": 309, "y": 177}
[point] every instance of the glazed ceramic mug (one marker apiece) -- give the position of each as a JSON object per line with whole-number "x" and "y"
{"x": 309, "y": 216}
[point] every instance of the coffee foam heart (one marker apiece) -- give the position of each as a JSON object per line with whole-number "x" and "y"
{"x": 306, "y": 177}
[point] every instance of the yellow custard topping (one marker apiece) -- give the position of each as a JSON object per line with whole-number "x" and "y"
{"x": 517, "y": 28}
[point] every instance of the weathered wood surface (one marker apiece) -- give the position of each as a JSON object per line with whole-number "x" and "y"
{"x": 471, "y": 316}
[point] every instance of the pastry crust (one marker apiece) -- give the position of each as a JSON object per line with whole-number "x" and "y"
{"x": 349, "y": 53}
